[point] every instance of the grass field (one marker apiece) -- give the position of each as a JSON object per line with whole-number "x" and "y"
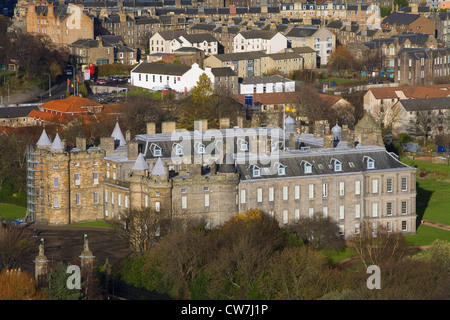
{"x": 96, "y": 224}
{"x": 11, "y": 211}
{"x": 433, "y": 190}
{"x": 426, "y": 235}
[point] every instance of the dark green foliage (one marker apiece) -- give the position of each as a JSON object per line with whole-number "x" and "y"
{"x": 57, "y": 285}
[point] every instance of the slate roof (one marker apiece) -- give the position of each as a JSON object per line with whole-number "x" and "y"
{"x": 199, "y": 37}
{"x": 300, "y": 32}
{"x": 16, "y": 112}
{"x": 118, "y": 135}
{"x": 240, "y": 56}
{"x": 426, "y": 104}
{"x": 353, "y": 161}
{"x": 223, "y": 72}
{"x": 57, "y": 143}
{"x": 398, "y": 18}
{"x": 140, "y": 163}
{"x": 162, "y": 68}
{"x": 264, "y": 79}
{"x": 258, "y": 34}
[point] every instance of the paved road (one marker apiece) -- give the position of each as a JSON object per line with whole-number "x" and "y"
{"x": 65, "y": 243}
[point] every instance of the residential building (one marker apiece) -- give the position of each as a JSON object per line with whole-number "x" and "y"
{"x": 245, "y": 64}
{"x": 267, "y": 84}
{"x": 61, "y": 24}
{"x": 226, "y": 81}
{"x": 408, "y": 22}
{"x": 258, "y": 40}
{"x": 161, "y": 76}
{"x": 102, "y": 50}
{"x": 322, "y": 40}
{"x": 414, "y": 114}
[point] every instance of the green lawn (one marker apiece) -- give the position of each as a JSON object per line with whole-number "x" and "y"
{"x": 433, "y": 190}
{"x": 96, "y": 224}
{"x": 426, "y": 235}
{"x": 11, "y": 211}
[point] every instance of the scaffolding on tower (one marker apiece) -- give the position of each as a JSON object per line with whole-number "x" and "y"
{"x": 34, "y": 183}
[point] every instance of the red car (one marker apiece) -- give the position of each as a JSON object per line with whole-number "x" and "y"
{"x": 100, "y": 81}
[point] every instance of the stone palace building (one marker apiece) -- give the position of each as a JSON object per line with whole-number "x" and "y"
{"x": 214, "y": 174}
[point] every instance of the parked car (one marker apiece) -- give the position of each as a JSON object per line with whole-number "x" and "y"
{"x": 100, "y": 81}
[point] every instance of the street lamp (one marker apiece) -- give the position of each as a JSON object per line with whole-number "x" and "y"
{"x": 73, "y": 72}
{"x": 49, "y": 84}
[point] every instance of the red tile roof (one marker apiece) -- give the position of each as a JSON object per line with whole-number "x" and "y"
{"x": 73, "y": 104}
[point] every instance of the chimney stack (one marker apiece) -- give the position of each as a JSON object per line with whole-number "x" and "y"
{"x": 151, "y": 128}
{"x": 328, "y": 141}
{"x": 107, "y": 144}
{"x": 80, "y": 143}
{"x": 168, "y": 127}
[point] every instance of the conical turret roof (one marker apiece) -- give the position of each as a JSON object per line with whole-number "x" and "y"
{"x": 44, "y": 140}
{"x": 118, "y": 135}
{"x": 158, "y": 169}
{"x": 57, "y": 143}
{"x": 140, "y": 163}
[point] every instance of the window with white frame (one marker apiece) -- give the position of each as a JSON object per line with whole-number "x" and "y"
{"x": 357, "y": 211}
{"x": 119, "y": 200}
{"x": 341, "y": 188}
{"x": 95, "y": 197}
{"x": 325, "y": 212}
{"x": 106, "y": 195}
{"x": 183, "y": 202}
{"x": 259, "y": 193}
{"x": 206, "y": 200}
{"x": 389, "y": 185}
{"x": 389, "y": 226}
{"x": 271, "y": 194}
{"x": 112, "y": 197}
{"x": 285, "y": 192}
{"x": 56, "y": 202}
{"x": 285, "y": 217}
{"x": 281, "y": 170}
{"x": 297, "y": 192}
{"x": 311, "y": 213}
{"x": 95, "y": 177}
{"x": 404, "y": 207}
{"x": 389, "y": 208}
{"x": 55, "y": 183}
{"x": 341, "y": 212}
{"x": 375, "y": 186}
{"x": 296, "y": 215}
{"x": 126, "y": 201}
{"x": 311, "y": 191}
{"x": 158, "y": 206}
{"x": 78, "y": 199}
{"x": 375, "y": 209}
{"x": 404, "y": 226}
{"x": 404, "y": 184}
{"x": 357, "y": 187}
{"x": 242, "y": 196}
{"x": 308, "y": 168}
{"x": 324, "y": 189}
{"x": 146, "y": 201}
{"x": 357, "y": 227}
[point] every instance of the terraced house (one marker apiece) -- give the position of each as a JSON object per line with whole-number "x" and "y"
{"x": 213, "y": 174}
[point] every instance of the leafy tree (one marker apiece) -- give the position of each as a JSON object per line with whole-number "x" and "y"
{"x": 319, "y": 232}
{"x": 342, "y": 60}
{"x": 57, "y": 284}
{"x": 200, "y": 105}
{"x": 16, "y": 284}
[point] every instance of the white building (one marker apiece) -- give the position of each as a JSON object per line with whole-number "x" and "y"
{"x": 169, "y": 41}
{"x": 322, "y": 40}
{"x": 161, "y": 76}
{"x": 268, "y": 84}
{"x": 259, "y": 40}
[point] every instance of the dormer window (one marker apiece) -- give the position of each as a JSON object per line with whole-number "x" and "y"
{"x": 370, "y": 163}
{"x": 200, "y": 147}
{"x": 337, "y": 165}
{"x": 156, "y": 150}
{"x": 307, "y": 166}
{"x": 243, "y": 145}
{"x": 256, "y": 171}
{"x": 281, "y": 170}
{"x": 179, "y": 150}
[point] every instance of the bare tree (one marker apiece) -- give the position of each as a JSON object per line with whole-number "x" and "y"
{"x": 376, "y": 244}
{"x": 141, "y": 227}
{"x": 424, "y": 125}
{"x": 15, "y": 243}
